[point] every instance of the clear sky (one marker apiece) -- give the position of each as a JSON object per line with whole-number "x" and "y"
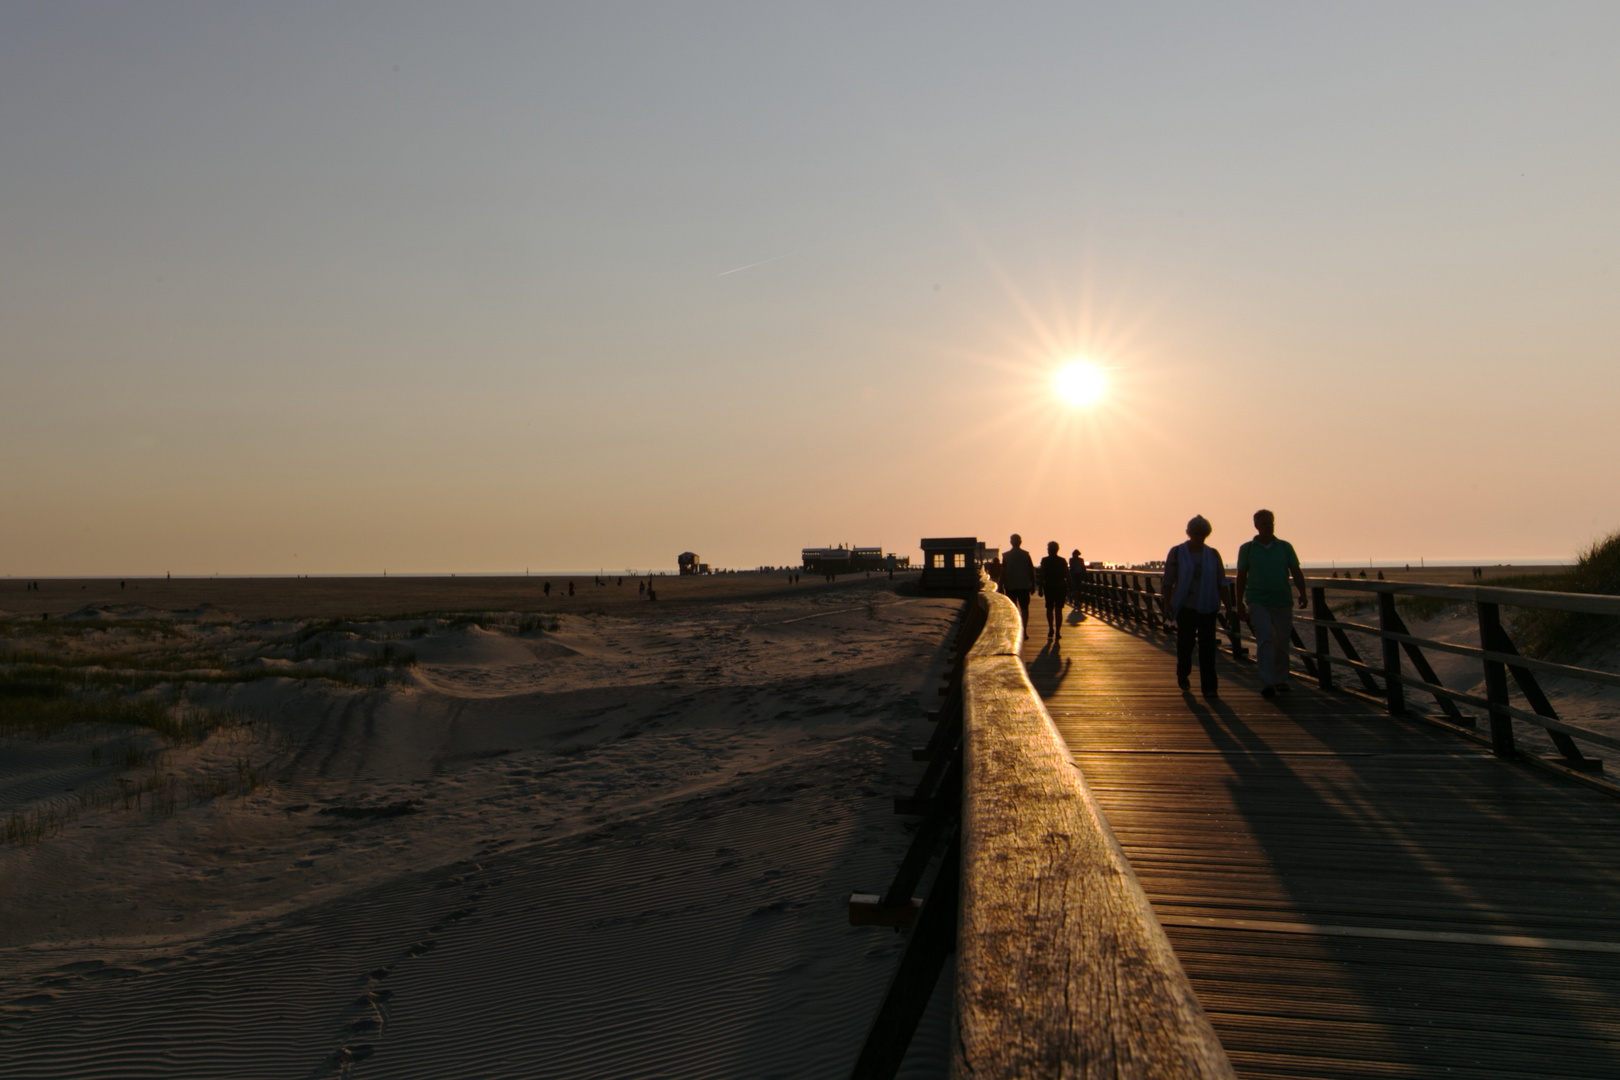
{"x": 339, "y": 287}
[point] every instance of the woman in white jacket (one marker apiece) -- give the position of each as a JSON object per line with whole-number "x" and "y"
{"x": 1194, "y": 581}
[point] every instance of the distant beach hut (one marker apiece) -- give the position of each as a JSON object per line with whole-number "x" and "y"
{"x": 950, "y": 562}
{"x": 688, "y": 562}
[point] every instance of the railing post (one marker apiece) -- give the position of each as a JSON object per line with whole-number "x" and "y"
{"x": 1228, "y": 618}
{"x": 1324, "y": 668}
{"x": 1496, "y": 684}
{"x": 1388, "y": 621}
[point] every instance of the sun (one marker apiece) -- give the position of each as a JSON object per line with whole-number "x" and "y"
{"x": 1080, "y": 383}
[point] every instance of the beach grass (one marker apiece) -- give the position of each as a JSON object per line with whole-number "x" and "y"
{"x": 1564, "y": 633}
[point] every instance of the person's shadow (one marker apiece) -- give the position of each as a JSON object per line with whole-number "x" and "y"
{"x": 1048, "y": 669}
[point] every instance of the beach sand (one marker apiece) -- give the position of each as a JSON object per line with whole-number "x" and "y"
{"x": 614, "y": 844}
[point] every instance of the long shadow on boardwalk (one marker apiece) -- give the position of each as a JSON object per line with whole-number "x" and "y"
{"x": 1271, "y": 837}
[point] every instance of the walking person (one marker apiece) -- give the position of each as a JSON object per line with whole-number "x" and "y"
{"x": 1018, "y": 578}
{"x": 1077, "y": 581}
{"x": 1193, "y": 579}
{"x": 1055, "y": 587}
{"x": 1264, "y": 567}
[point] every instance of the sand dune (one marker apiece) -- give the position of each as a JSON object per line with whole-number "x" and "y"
{"x": 620, "y": 848}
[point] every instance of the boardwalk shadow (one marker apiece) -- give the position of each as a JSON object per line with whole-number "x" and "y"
{"x": 1315, "y": 810}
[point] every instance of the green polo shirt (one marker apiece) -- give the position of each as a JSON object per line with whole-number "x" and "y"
{"x": 1268, "y": 569}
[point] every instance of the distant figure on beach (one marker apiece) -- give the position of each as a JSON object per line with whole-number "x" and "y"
{"x": 1194, "y": 577}
{"x": 1055, "y": 587}
{"x": 650, "y": 594}
{"x": 1380, "y": 575}
{"x": 1264, "y": 567}
{"x": 641, "y": 589}
{"x": 548, "y": 588}
{"x": 570, "y": 587}
{"x": 1018, "y": 578}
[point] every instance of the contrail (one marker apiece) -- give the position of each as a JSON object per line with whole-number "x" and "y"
{"x": 762, "y": 262}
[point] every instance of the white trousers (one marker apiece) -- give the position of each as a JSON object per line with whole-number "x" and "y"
{"x": 1273, "y": 629}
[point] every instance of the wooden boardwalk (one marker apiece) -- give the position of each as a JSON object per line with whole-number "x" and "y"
{"x": 1351, "y": 895}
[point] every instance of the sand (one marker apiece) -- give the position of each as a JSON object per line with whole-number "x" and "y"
{"x": 615, "y": 845}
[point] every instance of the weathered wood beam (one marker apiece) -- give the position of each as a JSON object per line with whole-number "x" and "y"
{"x": 1063, "y": 969}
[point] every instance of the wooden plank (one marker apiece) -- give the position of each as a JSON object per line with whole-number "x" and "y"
{"x": 1062, "y": 969}
{"x": 1350, "y": 894}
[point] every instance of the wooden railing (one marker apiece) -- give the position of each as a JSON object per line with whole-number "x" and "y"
{"x": 1134, "y": 598}
{"x": 1062, "y": 967}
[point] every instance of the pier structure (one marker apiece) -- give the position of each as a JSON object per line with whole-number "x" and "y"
{"x": 1375, "y": 874}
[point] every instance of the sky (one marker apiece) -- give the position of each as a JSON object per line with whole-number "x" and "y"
{"x": 475, "y": 287}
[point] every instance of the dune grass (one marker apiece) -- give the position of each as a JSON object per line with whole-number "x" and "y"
{"x": 31, "y": 705}
{"x": 1423, "y": 608}
{"x": 1569, "y": 634}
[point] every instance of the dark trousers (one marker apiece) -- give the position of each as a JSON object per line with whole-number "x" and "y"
{"x": 1021, "y": 598}
{"x": 1190, "y": 624}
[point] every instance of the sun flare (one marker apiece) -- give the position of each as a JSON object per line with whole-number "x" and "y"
{"x": 1080, "y": 383}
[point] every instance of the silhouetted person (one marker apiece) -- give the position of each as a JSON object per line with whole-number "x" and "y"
{"x": 548, "y": 588}
{"x": 1264, "y": 566}
{"x": 641, "y": 589}
{"x": 1018, "y": 578}
{"x": 570, "y": 588}
{"x": 1055, "y": 587}
{"x": 650, "y": 594}
{"x": 1193, "y": 579}
{"x": 1077, "y": 576}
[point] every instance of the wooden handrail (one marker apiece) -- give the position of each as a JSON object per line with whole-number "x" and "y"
{"x": 1583, "y": 603}
{"x": 1499, "y": 658}
{"x": 1546, "y": 667}
{"x": 1062, "y": 969}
